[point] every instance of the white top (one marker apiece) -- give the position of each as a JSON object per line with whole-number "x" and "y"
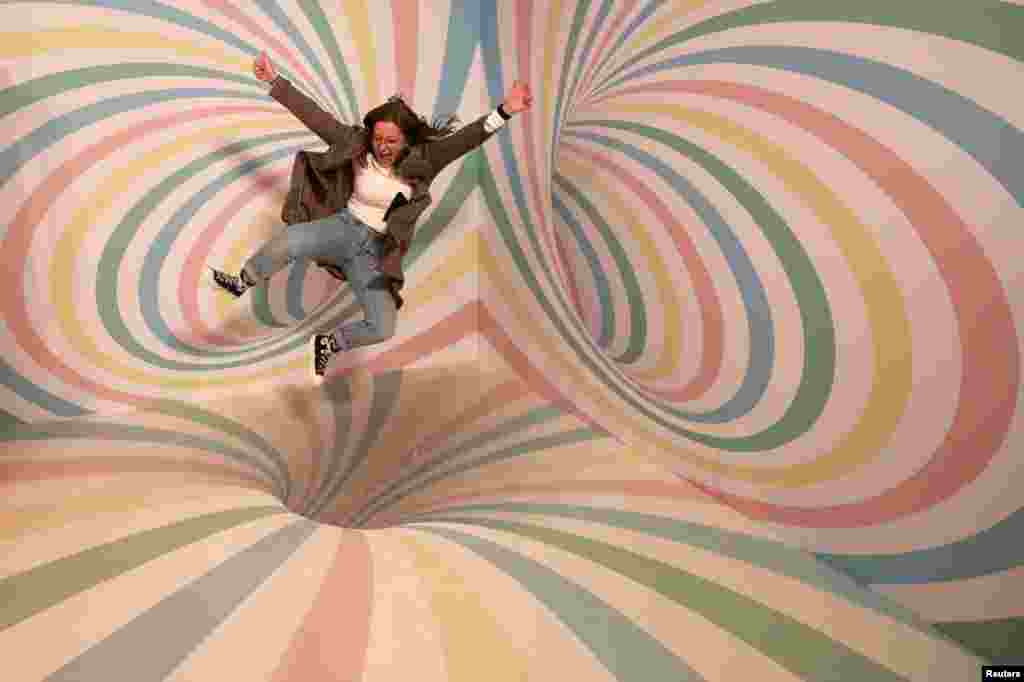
{"x": 376, "y": 186}
{"x": 375, "y": 189}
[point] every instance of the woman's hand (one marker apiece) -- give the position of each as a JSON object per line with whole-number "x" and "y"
{"x": 518, "y": 98}
{"x": 263, "y": 69}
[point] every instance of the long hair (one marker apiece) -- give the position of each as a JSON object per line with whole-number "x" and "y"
{"x": 414, "y": 127}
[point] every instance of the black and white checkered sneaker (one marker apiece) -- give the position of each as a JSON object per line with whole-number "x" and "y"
{"x": 234, "y": 284}
{"x": 324, "y": 346}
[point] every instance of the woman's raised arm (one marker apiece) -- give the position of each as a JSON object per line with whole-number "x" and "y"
{"x": 331, "y": 130}
{"x": 442, "y": 152}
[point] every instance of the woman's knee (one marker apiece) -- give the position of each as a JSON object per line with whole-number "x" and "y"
{"x": 383, "y": 326}
{"x": 381, "y": 317}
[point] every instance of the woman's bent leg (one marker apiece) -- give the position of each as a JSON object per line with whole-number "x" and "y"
{"x": 313, "y": 240}
{"x": 373, "y": 293}
{"x": 378, "y": 324}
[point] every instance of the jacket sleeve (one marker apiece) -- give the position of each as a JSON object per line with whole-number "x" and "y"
{"x": 440, "y": 153}
{"x": 331, "y": 130}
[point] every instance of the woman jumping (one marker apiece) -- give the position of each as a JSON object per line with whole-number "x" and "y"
{"x": 353, "y": 208}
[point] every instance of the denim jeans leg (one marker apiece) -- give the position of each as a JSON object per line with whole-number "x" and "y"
{"x": 325, "y": 239}
{"x": 371, "y": 290}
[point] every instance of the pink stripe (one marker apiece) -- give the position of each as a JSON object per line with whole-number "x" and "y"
{"x": 989, "y": 343}
{"x": 574, "y": 294}
{"x": 524, "y": 13}
{"x": 276, "y": 46}
{"x": 458, "y": 325}
{"x": 471, "y": 318}
{"x": 211, "y": 468}
{"x": 585, "y": 80}
{"x": 195, "y": 270}
{"x": 18, "y": 242}
{"x": 503, "y": 394}
{"x": 712, "y": 325}
{"x": 555, "y": 492}
{"x": 405, "y": 18}
{"x": 449, "y": 331}
{"x": 431, "y": 449}
{"x": 561, "y": 396}
{"x": 331, "y": 644}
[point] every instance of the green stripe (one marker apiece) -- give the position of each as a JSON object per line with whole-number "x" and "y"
{"x": 386, "y": 389}
{"x": 9, "y": 421}
{"x": 530, "y": 447}
{"x": 25, "y": 594}
{"x": 37, "y": 89}
{"x": 582, "y": 8}
{"x": 819, "y": 362}
{"x": 800, "y": 649}
{"x": 339, "y": 397}
{"x": 630, "y": 283}
{"x": 328, "y": 37}
{"x": 444, "y": 457}
{"x": 139, "y": 434}
{"x": 462, "y": 185}
{"x": 628, "y": 651}
{"x": 764, "y": 553}
{"x": 1000, "y": 641}
{"x": 819, "y": 333}
{"x": 117, "y": 245}
{"x": 261, "y": 308}
{"x": 995, "y": 26}
{"x": 212, "y": 420}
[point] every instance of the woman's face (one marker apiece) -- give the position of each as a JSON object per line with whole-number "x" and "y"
{"x": 388, "y": 142}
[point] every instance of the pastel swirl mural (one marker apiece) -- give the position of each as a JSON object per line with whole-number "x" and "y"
{"x": 708, "y": 368}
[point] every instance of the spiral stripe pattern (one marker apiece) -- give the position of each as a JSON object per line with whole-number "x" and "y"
{"x": 709, "y": 366}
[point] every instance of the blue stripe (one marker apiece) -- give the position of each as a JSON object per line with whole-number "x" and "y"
{"x": 631, "y": 28}
{"x": 386, "y": 389}
{"x": 37, "y": 395}
{"x": 297, "y": 38}
{"x": 633, "y": 290}
{"x": 604, "y": 294}
{"x": 588, "y": 46}
{"x": 627, "y": 651}
{"x": 339, "y": 397}
{"x": 293, "y": 290}
{"x": 181, "y": 622}
{"x": 464, "y": 28}
{"x": 194, "y": 23}
{"x": 509, "y": 160}
{"x": 987, "y": 137}
{"x": 27, "y": 147}
{"x": 163, "y": 243}
{"x": 993, "y": 550}
{"x": 751, "y": 289}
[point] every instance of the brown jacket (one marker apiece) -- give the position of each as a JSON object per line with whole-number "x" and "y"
{"x": 322, "y": 182}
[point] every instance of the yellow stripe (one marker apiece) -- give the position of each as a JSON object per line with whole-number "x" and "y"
{"x": 36, "y": 43}
{"x": 552, "y": 58}
{"x": 664, "y": 27}
{"x": 640, "y": 239}
{"x": 121, "y": 497}
{"x": 892, "y": 378}
{"x": 528, "y": 325}
{"x": 458, "y": 262}
{"x": 118, "y": 184}
{"x": 472, "y": 637}
{"x": 362, "y": 34}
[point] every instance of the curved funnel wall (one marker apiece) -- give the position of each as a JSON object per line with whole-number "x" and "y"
{"x": 708, "y": 369}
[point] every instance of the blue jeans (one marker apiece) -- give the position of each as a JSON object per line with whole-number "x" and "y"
{"x": 347, "y": 243}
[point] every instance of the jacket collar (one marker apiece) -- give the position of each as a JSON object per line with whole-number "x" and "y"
{"x": 414, "y": 167}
